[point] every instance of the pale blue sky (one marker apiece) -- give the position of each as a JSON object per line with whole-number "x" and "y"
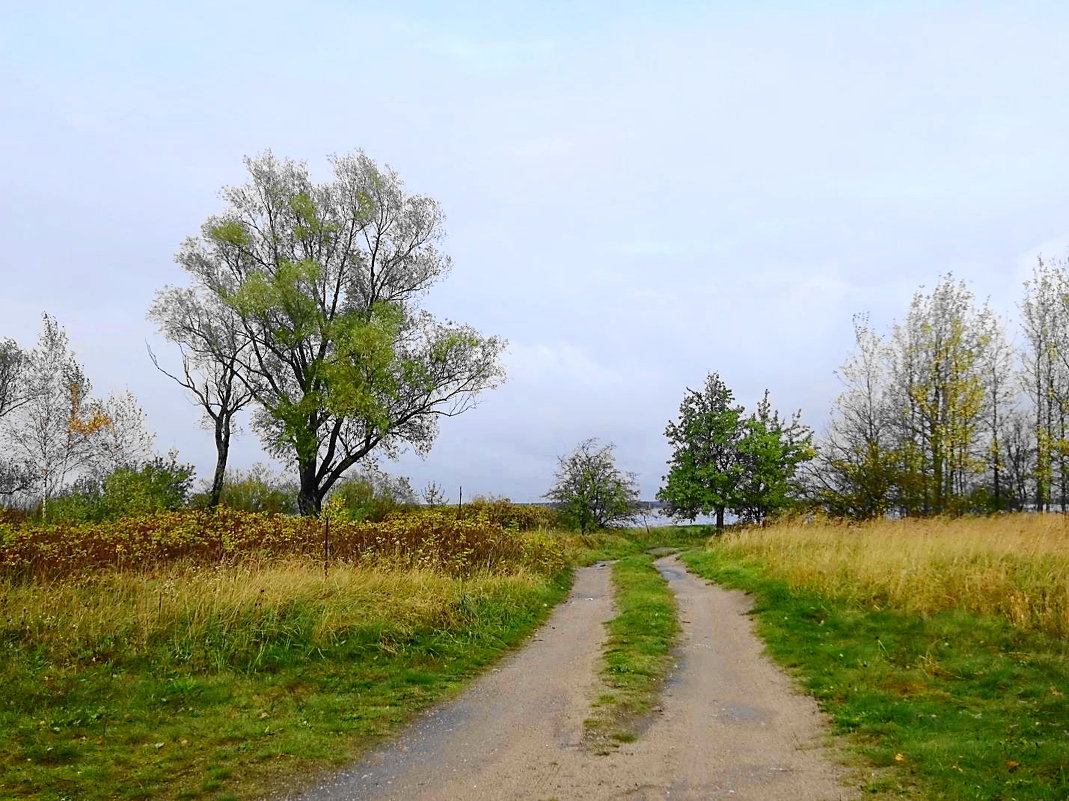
{"x": 636, "y": 193}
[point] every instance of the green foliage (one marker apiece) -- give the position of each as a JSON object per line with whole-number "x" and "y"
{"x": 950, "y": 705}
{"x": 326, "y": 280}
{"x": 723, "y": 461}
{"x": 257, "y": 489}
{"x": 370, "y": 495}
{"x": 590, "y": 492}
{"x": 157, "y": 486}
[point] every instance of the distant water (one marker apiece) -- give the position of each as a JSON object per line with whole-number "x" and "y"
{"x": 656, "y": 519}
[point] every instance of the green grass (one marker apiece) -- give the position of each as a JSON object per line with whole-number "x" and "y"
{"x": 618, "y": 543}
{"x": 637, "y": 654}
{"x": 948, "y": 705}
{"x": 242, "y": 699}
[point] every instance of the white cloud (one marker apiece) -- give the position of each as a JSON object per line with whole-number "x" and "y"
{"x": 558, "y": 364}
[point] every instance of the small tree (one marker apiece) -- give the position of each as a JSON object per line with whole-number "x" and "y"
{"x": 590, "y": 492}
{"x": 15, "y": 477}
{"x": 706, "y": 469}
{"x": 434, "y": 495}
{"x": 12, "y": 378}
{"x": 771, "y": 450}
{"x": 211, "y": 342}
{"x": 125, "y": 441}
{"x": 54, "y": 431}
{"x": 723, "y": 461}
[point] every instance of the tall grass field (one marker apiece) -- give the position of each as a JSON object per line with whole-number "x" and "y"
{"x": 939, "y": 647}
{"x": 231, "y": 657}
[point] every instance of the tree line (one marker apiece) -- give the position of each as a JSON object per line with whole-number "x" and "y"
{"x": 941, "y": 414}
{"x": 302, "y": 306}
{"x": 944, "y": 414}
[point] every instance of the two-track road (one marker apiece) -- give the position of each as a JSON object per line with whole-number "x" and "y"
{"x": 729, "y": 725}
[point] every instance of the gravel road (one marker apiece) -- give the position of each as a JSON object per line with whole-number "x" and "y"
{"x": 729, "y": 725}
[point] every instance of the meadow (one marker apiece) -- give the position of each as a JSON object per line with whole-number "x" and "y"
{"x": 938, "y": 647}
{"x": 217, "y": 655}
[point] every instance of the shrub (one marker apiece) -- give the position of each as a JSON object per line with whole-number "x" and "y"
{"x": 371, "y": 495}
{"x": 256, "y": 490}
{"x": 429, "y": 539}
{"x": 506, "y": 514}
{"x": 156, "y": 486}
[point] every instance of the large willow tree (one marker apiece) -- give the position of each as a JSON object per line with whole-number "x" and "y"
{"x": 325, "y": 282}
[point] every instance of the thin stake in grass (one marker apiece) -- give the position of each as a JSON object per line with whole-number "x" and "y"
{"x": 326, "y": 546}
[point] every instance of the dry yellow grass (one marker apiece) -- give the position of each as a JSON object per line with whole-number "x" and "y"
{"x": 1012, "y": 566}
{"x": 134, "y": 612}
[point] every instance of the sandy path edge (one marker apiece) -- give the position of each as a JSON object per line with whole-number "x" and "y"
{"x": 522, "y": 712}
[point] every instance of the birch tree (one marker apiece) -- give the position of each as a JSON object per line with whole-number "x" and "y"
{"x": 53, "y": 431}
{"x": 14, "y": 476}
{"x": 856, "y": 470}
{"x": 1046, "y": 377}
{"x": 937, "y": 390}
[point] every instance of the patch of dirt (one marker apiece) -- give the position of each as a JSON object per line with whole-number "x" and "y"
{"x": 730, "y": 725}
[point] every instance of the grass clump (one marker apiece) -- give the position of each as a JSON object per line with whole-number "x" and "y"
{"x": 616, "y": 543}
{"x": 932, "y": 644}
{"x": 637, "y": 654}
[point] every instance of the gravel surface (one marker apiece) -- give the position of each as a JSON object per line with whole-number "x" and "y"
{"x": 729, "y": 726}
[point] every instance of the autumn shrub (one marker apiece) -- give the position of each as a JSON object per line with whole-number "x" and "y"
{"x": 257, "y": 489}
{"x": 371, "y": 494}
{"x": 434, "y": 539}
{"x": 518, "y": 517}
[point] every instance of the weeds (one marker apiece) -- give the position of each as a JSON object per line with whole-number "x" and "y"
{"x": 434, "y": 539}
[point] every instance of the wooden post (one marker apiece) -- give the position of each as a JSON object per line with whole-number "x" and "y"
{"x": 326, "y": 545}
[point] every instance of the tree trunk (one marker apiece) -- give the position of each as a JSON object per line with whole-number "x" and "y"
{"x": 719, "y": 518}
{"x": 310, "y": 499}
{"x": 222, "y": 451}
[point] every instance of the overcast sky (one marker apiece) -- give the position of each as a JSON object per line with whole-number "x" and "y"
{"x": 637, "y": 193}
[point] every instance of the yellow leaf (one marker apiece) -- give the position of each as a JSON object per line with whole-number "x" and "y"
{"x": 900, "y": 757}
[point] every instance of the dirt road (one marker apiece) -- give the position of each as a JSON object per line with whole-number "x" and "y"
{"x": 729, "y": 727}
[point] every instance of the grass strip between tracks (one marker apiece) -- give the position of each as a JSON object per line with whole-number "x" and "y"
{"x": 637, "y": 654}
{"x": 943, "y": 705}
